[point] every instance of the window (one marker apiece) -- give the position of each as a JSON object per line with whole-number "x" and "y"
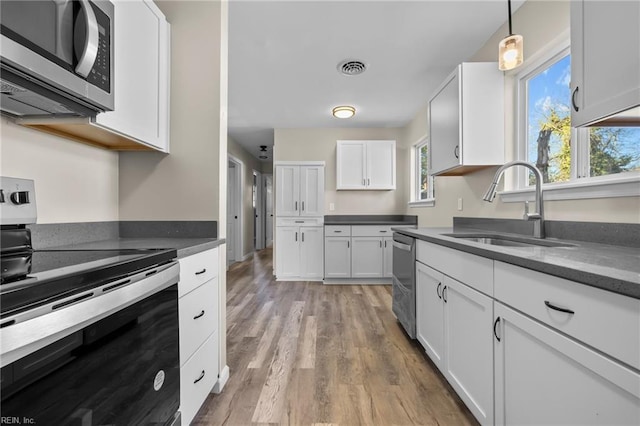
{"x": 560, "y": 152}
{"x": 423, "y": 182}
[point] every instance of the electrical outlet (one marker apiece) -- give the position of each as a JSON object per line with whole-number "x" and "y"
{"x": 460, "y": 204}
{"x": 332, "y": 206}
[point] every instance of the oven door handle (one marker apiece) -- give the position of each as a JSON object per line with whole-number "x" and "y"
{"x": 404, "y": 247}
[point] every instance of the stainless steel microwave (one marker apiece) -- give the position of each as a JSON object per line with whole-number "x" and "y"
{"x": 56, "y": 57}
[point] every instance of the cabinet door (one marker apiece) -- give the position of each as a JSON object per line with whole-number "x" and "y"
{"x": 366, "y": 257}
{"x": 444, "y": 126}
{"x": 605, "y": 58}
{"x": 337, "y": 257}
{"x": 311, "y": 190}
{"x": 287, "y": 251}
{"x": 287, "y": 190}
{"x": 430, "y": 312}
{"x": 351, "y": 165}
{"x": 543, "y": 377}
{"x": 311, "y": 253}
{"x": 387, "y": 246}
{"x": 141, "y": 69}
{"x": 468, "y": 318}
{"x": 381, "y": 165}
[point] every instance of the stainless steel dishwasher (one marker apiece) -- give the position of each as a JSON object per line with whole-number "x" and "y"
{"x": 404, "y": 282}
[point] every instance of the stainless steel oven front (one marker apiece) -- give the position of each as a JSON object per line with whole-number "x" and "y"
{"x": 112, "y": 359}
{"x": 404, "y": 282}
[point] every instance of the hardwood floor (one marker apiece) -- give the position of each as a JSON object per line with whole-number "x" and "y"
{"x": 302, "y": 353}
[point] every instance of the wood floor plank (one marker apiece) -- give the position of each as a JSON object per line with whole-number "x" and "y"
{"x": 302, "y": 353}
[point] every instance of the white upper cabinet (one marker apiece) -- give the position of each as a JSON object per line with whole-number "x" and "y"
{"x": 141, "y": 67}
{"x": 366, "y": 164}
{"x": 466, "y": 120}
{"x": 299, "y": 190}
{"x": 605, "y": 61}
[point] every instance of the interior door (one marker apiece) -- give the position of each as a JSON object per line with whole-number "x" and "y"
{"x": 268, "y": 202}
{"x": 258, "y": 211}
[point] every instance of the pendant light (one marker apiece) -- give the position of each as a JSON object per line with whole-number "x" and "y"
{"x": 510, "y": 49}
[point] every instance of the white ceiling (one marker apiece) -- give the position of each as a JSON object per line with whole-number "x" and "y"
{"x": 283, "y": 58}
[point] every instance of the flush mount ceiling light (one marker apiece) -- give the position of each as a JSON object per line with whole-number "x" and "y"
{"x": 510, "y": 49}
{"x": 344, "y": 111}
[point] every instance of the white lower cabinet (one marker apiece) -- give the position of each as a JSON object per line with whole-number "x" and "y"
{"x": 544, "y": 377}
{"x": 198, "y": 312}
{"x": 337, "y": 257}
{"x": 299, "y": 249}
{"x": 197, "y": 378}
{"x": 366, "y": 257}
{"x": 454, "y": 326}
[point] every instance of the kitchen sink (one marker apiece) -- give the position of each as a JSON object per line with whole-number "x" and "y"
{"x": 508, "y": 241}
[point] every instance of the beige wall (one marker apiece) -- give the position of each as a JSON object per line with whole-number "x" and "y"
{"x": 249, "y": 164}
{"x": 74, "y": 182}
{"x": 320, "y": 145}
{"x": 540, "y": 23}
{"x": 185, "y": 184}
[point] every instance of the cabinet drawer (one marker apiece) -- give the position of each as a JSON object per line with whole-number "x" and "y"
{"x": 337, "y": 231}
{"x": 474, "y": 271}
{"x": 198, "y": 313}
{"x": 197, "y": 378}
{"x": 292, "y": 221}
{"x": 371, "y": 231}
{"x": 197, "y": 269}
{"x": 607, "y": 321}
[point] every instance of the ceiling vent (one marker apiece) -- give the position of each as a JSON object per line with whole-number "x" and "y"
{"x": 351, "y": 67}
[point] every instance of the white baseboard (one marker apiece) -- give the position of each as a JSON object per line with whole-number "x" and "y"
{"x": 223, "y": 377}
{"x": 358, "y": 281}
{"x": 319, "y": 279}
{"x": 247, "y": 256}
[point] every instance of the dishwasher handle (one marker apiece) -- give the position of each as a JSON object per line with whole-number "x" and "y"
{"x": 404, "y": 247}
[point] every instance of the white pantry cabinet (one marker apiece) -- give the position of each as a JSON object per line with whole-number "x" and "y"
{"x": 299, "y": 190}
{"x": 544, "y": 377}
{"x": 198, "y": 321}
{"x": 605, "y": 61}
{"x": 453, "y": 324}
{"x": 366, "y": 164}
{"x": 466, "y": 120}
{"x": 299, "y": 249}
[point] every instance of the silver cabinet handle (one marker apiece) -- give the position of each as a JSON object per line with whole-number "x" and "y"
{"x": 296, "y": 207}
{"x": 303, "y": 206}
{"x": 89, "y": 51}
{"x": 456, "y": 151}
{"x": 296, "y": 236}
{"x": 380, "y": 243}
{"x": 303, "y": 237}
{"x": 364, "y": 182}
{"x": 368, "y": 182}
{"x": 347, "y": 244}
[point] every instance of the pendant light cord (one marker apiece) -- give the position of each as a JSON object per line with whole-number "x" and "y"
{"x": 509, "y": 8}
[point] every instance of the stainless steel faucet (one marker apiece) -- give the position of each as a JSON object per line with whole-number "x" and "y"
{"x": 537, "y": 217}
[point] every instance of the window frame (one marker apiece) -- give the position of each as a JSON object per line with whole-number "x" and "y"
{"x": 416, "y": 201}
{"x": 580, "y": 185}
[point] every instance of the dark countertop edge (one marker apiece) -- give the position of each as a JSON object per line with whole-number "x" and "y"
{"x": 198, "y": 248}
{"x": 368, "y": 222}
{"x": 615, "y": 285}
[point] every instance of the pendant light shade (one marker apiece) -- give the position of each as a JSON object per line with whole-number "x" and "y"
{"x": 511, "y": 48}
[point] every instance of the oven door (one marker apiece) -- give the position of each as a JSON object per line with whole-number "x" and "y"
{"x": 122, "y": 369}
{"x": 64, "y": 44}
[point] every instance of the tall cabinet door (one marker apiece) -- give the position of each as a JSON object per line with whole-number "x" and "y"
{"x": 351, "y": 164}
{"x": 381, "y": 164}
{"x": 468, "y": 318}
{"x": 288, "y": 247}
{"x": 311, "y": 252}
{"x": 287, "y": 191}
{"x": 311, "y": 190}
{"x": 430, "y": 312}
{"x": 543, "y": 377}
{"x": 444, "y": 126}
{"x": 366, "y": 257}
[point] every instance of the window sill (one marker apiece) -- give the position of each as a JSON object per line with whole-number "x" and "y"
{"x": 430, "y": 202}
{"x": 604, "y": 187}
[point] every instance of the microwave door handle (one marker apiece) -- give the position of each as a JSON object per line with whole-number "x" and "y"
{"x": 90, "y": 49}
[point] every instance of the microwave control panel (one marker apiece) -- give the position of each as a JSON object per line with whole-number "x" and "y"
{"x": 100, "y": 74}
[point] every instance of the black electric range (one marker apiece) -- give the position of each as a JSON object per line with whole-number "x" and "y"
{"x": 32, "y": 278}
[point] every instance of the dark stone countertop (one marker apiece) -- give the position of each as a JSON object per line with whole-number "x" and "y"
{"x": 184, "y": 246}
{"x": 614, "y": 268}
{"x": 388, "y": 219}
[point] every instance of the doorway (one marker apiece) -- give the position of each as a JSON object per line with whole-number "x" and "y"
{"x": 268, "y": 202}
{"x": 258, "y": 211}
{"x": 234, "y": 211}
